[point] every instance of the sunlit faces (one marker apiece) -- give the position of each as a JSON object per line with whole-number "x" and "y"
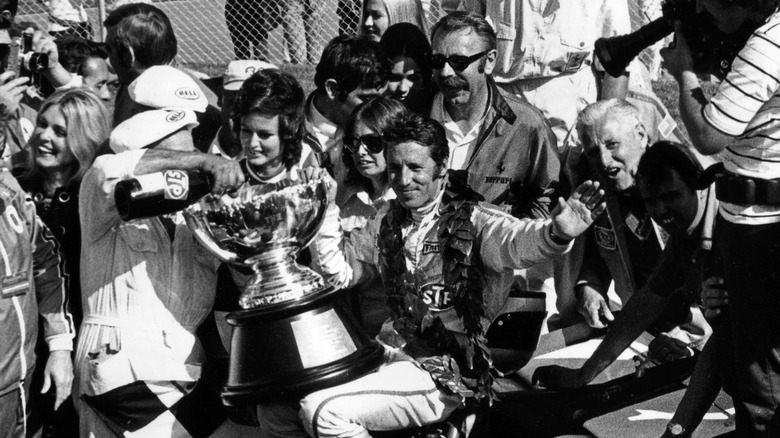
{"x": 414, "y": 176}
{"x": 459, "y": 87}
{"x": 370, "y": 164}
{"x": 96, "y": 76}
{"x": 405, "y": 78}
{"x": 615, "y": 149}
{"x": 259, "y": 136}
{"x": 375, "y": 20}
{"x": 49, "y": 140}
{"x": 671, "y": 203}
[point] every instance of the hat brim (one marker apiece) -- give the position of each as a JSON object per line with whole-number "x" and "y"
{"x": 149, "y": 127}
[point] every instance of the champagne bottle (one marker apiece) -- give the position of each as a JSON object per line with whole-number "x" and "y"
{"x": 159, "y": 193}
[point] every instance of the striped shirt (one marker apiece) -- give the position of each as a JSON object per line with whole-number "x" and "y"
{"x": 747, "y": 105}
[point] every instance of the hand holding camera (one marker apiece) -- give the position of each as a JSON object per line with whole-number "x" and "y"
{"x": 11, "y": 93}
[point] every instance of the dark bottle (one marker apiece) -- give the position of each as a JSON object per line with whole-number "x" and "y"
{"x": 159, "y": 193}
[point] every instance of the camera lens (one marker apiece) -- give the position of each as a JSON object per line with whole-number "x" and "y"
{"x": 36, "y": 62}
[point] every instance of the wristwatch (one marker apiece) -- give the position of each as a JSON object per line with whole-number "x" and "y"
{"x": 557, "y": 239}
{"x": 676, "y": 429}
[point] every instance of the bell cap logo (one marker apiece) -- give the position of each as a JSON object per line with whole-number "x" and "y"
{"x": 250, "y": 70}
{"x": 187, "y": 93}
{"x": 177, "y": 184}
{"x": 174, "y": 116}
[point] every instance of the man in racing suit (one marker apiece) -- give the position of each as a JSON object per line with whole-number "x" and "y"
{"x": 435, "y": 344}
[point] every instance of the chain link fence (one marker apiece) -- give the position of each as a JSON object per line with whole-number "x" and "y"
{"x": 212, "y": 32}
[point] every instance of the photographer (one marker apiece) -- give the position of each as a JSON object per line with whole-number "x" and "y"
{"x": 740, "y": 123}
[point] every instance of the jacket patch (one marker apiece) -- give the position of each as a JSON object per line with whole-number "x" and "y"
{"x": 431, "y": 247}
{"x": 498, "y": 180}
{"x": 605, "y": 237}
{"x": 437, "y": 297}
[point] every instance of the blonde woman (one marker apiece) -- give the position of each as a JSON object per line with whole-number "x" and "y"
{"x": 378, "y": 15}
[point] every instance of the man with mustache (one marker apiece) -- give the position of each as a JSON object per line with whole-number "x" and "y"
{"x": 506, "y": 145}
{"x": 626, "y": 244}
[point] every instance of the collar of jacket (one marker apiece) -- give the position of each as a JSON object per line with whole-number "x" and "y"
{"x": 498, "y": 104}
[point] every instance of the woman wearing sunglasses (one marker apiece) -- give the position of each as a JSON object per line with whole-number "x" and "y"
{"x": 366, "y": 192}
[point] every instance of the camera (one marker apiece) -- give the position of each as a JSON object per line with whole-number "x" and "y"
{"x": 23, "y": 60}
{"x": 713, "y": 51}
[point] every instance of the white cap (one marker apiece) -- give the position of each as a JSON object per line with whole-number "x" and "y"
{"x": 163, "y": 86}
{"x": 239, "y": 71}
{"x": 149, "y": 127}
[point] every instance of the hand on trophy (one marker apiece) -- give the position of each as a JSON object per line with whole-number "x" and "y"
{"x": 311, "y": 173}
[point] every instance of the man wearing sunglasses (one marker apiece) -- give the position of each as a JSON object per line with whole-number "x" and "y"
{"x": 506, "y": 144}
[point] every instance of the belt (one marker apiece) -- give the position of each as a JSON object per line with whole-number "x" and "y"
{"x": 744, "y": 190}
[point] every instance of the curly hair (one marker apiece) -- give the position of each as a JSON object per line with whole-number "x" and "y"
{"x": 375, "y": 114}
{"x": 272, "y": 91}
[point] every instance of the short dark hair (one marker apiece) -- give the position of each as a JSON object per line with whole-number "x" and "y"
{"x": 271, "y": 91}
{"x": 422, "y": 130}
{"x": 459, "y": 20}
{"x": 11, "y": 6}
{"x": 658, "y": 161}
{"x": 146, "y": 30}
{"x": 406, "y": 39}
{"x": 353, "y": 63}
{"x": 75, "y": 51}
{"x": 376, "y": 114}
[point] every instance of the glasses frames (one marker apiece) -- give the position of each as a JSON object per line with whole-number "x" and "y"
{"x": 457, "y": 62}
{"x": 373, "y": 143}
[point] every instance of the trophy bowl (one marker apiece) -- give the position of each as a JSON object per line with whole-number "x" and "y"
{"x": 264, "y": 227}
{"x": 294, "y": 334}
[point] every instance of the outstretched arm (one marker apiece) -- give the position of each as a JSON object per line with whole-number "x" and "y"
{"x": 572, "y": 217}
{"x": 639, "y": 312}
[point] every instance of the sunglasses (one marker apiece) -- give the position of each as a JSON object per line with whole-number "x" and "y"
{"x": 373, "y": 143}
{"x": 457, "y": 62}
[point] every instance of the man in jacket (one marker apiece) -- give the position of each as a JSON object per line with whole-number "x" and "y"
{"x": 33, "y": 286}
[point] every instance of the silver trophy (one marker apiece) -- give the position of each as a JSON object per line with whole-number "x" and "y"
{"x": 264, "y": 227}
{"x": 294, "y": 335}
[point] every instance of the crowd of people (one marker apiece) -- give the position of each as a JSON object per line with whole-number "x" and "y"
{"x": 467, "y": 159}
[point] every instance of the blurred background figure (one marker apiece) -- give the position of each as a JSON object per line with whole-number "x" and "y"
{"x": 68, "y": 17}
{"x": 410, "y": 81}
{"x": 378, "y": 15}
{"x": 89, "y": 60}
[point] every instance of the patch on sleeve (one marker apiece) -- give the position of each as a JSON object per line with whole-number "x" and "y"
{"x": 667, "y": 126}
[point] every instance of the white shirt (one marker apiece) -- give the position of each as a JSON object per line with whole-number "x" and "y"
{"x": 460, "y": 142}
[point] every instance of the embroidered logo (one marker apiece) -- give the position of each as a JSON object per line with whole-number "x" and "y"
{"x": 437, "y": 297}
{"x": 177, "y": 184}
{"x": 605, "y": 237}
{"x": 431, "y": 247}
{"x": 187, "y": 93}
{"x": 497, "y": 180}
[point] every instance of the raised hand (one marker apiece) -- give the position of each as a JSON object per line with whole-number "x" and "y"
{"x": 572, "y": 217}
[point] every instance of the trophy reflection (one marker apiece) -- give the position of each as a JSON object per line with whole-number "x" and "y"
{"x": 292, "y": 337}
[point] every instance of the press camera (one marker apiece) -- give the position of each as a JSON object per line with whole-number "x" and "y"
{"x": 23, "y": 61}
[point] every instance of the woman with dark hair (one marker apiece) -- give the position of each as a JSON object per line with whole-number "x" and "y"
{"x": 410, "y": 81}
{"x": 268, "y": 119}
{"x": 366, "y": 191}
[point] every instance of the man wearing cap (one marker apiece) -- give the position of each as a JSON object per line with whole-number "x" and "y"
{"x": 146, "y": 284}
{"x": 226, "y": 143}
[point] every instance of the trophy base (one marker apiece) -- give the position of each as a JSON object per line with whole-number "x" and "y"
{"x": 288, "y": 350}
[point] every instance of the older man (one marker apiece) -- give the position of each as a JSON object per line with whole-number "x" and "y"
{"x": 147, "y": 284}
{"x": 506, "y": 145}
{"x": 626, "y": 244}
